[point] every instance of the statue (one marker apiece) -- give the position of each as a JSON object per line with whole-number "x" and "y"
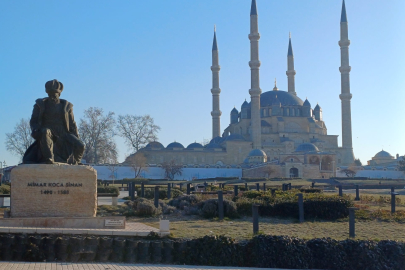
{"x": 54, "y": 130}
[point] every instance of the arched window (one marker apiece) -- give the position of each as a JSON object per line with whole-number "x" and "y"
{"x": 292, "y": 112}
{"x": 287, "y": 111}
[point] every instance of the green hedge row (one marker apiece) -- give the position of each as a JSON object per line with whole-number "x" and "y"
{"x": 285, "y": 204}
{"x": 260, "y": 251}
{"x": 150, "y": 192}
{"x": 108, "y": 189}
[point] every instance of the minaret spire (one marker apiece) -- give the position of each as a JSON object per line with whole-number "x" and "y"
{"x": 216, "y": 113}
{"x": 345, "y": 96}
{"x": 290, "y": 69}
{"x": 255, "y": 90}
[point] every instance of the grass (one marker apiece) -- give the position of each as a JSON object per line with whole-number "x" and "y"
{"x": 194, "y": 227}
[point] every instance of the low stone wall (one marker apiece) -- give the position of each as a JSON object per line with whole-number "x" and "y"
{"x": 260, "y": 251}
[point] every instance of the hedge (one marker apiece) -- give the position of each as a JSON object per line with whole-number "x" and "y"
{"x": 285, "y": 204}
{"x": 150, "y": 192}
{"x": 260, "y": 251}
{"x": 108, "y": 189}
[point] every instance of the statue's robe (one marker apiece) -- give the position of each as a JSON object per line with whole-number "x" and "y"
{"x": 60, "y": 127}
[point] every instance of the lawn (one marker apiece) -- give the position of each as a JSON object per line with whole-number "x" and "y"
{"x": 194, "y": 227}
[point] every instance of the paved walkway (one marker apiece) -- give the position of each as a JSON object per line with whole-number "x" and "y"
{"x": 102, "y": 266}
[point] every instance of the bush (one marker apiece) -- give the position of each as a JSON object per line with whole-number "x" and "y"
{"x": 146, "y": 208}
{"x": 4, "y": 189}
{"x": 109, "y": 189}
{"x": 285, "y": 204}
{"x": 252, "y": 194}
{"x": 310, "y": 190}
{"x": 150, "y": 193}
{"x": 185, "y": 201}
{"x": 209, "y": 208}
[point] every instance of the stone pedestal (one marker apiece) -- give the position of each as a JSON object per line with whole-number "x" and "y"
{"x": 57, "y": 190}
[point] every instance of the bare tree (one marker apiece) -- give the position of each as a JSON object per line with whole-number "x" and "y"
{"x": 112, "y": 167}
{"x": 172, "y": 169}
{"x": 350, "y": 172}
{"x": 137, "y": 131}
{"x": 97, "y": 132}
{"x": 137, "y": 162}
{"x": 19, "y": 141}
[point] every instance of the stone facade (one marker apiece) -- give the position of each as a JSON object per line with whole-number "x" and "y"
{"x": 57, "y": 190}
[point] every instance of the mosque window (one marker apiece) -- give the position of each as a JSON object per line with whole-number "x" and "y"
{"x": 269, "y": 112}
{"x": 292, "y": 160}
{"x": 298, "y": 112}
{"x": 292, "y": 112}
{"x": 287, "y": 110}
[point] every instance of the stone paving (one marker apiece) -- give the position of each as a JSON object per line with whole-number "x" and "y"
{"x": 106, "y": 266}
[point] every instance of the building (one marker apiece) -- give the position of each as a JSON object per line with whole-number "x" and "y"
{"x": 275, "y": 128}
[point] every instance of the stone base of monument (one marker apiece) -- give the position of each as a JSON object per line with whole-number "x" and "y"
{"x": 62, "y": 199}
{"x": 62, "y": 222}
{"x": 57, "y": 190}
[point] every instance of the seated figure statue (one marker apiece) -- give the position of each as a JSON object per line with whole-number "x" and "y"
{"x": 54, "y": 130}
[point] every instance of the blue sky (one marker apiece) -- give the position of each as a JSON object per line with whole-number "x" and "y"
{"x": 154, "y": 57}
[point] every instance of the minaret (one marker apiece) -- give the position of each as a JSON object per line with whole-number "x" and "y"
{"x": 216, "y": 113}
{"x": 345, "y": 95}
{"x": 290, "y": 70}
{"x": 255, "y": 90}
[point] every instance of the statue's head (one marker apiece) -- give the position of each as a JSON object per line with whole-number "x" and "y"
{"x": 54, "y": 89}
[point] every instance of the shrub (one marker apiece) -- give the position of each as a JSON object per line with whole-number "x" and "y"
{"x": 209, "y": 208}
{"x": 252, "y": 194}
{"x": 310, "y": 190}
{"x": 285, "y": 204}
{"x": 109, "y": 189}
{"x": 147, "y": 208}
{"x": 4, "y": 189}
{"x": 185, "y": 201}
{"x": 150, "y": 193}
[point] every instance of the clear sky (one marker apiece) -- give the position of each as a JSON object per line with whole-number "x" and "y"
{"x": 154, "y": 57}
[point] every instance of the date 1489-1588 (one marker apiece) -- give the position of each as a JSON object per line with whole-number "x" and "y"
{"x": 50, "y": 192}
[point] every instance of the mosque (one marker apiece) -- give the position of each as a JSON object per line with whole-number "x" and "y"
{"x": 275, "y": 128}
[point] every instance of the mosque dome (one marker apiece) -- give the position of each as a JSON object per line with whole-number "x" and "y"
{"x": 175, "y": 145}
{"x": 217, "y": 140}
{"x": 317, "y": 107}
{"x": 195, "y": 145}
{"x": 307, "y": 147}
{"x": 383, "y": 154}
{"x": 285, "y": 98}
{"x": 234, "y": 111}
{"x": 154, "y": 145}
{"x": 257, "y": 153}
{"x": 212, "y": 146}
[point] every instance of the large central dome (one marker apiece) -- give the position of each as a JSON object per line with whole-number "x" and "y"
{"x": 285, "y": 98}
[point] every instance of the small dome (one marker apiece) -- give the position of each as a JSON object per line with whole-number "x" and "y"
{"x": 317, "y": 107}
{"x": 245, "y": 104}
{"x": 383, "y": 154}
{"x": 212, "y": 146}
{"x": 246, "y": 160}
{"x": 257, "y": 153}
{"x": 175, "y": 145}
{"x": 195, "y": 145}
{"x": 306, "y": 103}
{"x": 234, "y": 137}
{"x": 307, "y": 147}
{"x": 234, "y": 111}
{"x": 217, "y": 140}
{"x": 154, "y": 145}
